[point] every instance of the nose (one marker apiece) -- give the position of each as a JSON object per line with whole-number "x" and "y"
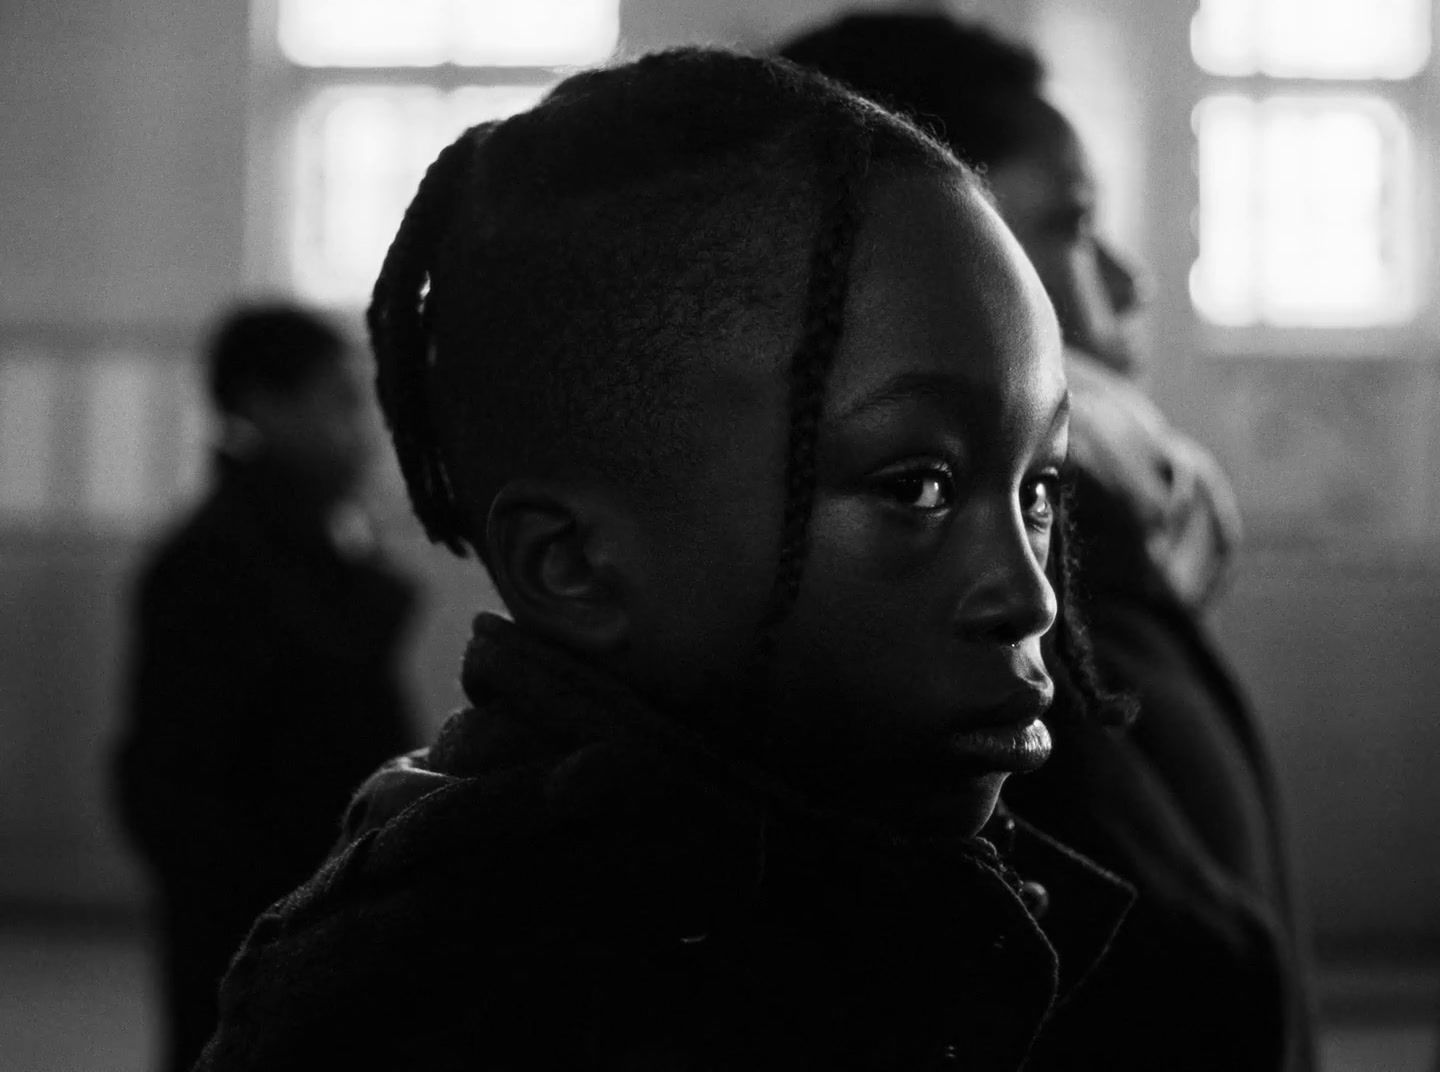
{"x": 1010, "y": 598}
{"x": 1121, "y": 282}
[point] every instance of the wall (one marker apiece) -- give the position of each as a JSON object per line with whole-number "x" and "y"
{"x": 125, "y": 226}
{"x": 1334, "y": 617}
{"x": 122, "y": 216}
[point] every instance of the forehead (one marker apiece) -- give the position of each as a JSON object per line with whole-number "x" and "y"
{"x": 939, "y": 287}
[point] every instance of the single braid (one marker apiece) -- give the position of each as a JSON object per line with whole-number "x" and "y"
{"x": 398, "y": 319}
{"x": 1071, "y": 639}
{"x": 846, "y": 165}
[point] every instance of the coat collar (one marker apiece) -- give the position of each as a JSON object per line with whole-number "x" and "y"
{"x": 562, "y": 814}
{"x": 613, "y": 752}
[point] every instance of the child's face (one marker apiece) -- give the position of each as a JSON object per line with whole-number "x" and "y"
{"x": 908, "y": 677}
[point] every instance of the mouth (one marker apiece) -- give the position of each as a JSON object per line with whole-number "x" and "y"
{"x": 1008, "y": 735}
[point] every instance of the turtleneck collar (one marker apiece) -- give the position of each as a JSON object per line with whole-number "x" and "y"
{"x": 636, "y": 822}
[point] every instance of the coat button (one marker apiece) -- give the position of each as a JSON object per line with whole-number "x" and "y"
{"x": 1035, "y": 897}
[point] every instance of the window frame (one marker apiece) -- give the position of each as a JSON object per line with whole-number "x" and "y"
{"x": 281, "y": 91}
{"x": 1416, "y": 100}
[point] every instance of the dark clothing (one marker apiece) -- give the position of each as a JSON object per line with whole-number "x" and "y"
{"x": 567, "y": 880}
{"x": 264, "y": 688}
{"x": 1207, "y": 969}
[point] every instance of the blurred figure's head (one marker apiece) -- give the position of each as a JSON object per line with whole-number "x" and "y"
{"x": 286, "y": 385}
{"x": 983, "y": 96}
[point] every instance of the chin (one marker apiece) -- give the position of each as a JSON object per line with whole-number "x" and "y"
{"x": 974, "y": 808}
{"x": 960, "y": 809}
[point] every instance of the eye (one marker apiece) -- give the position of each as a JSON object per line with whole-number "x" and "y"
{"x": 928, "y": 489}
{"x": 1039, "y": 498}
{"x": 1070, "y": 225}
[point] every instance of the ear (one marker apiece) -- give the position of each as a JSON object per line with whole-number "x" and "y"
{"x": 553, "y": 550}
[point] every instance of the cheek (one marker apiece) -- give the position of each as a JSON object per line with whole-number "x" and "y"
{"x": 872, "y": 598}
{"x": 726, "y": 565}
{"x": 864, "y": 667}
{"x": 859, "y": 555}
{"x": 705, "y": 571}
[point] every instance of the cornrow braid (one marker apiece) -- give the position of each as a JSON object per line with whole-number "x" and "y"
{"x": 845, "y": 166}
{"x": 612, "y": 231}
{"x": 398, "y": 319}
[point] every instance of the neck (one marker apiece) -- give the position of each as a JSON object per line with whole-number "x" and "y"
{"x": 564, "y": 700}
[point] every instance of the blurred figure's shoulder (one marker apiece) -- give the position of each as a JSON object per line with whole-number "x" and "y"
{"x": 212, "y": 542}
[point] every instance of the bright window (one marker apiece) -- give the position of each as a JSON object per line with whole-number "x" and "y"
{"x": 426, "y": 33}
{"x": 1308, "y": 201}
{"x": 1305, "y": 206}
{"x": 29, "y": 397}
{"x": 360, "y": 153}
{"x": 382, "y": 86}
{"x": 1312, "y": 38}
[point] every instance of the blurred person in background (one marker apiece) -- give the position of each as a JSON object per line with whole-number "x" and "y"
{"x": 1207, "y": 972}
{"x": 265, "y": 680}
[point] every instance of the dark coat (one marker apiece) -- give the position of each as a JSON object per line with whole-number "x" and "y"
{"x": 567, "y": 880}
{"x": 264, "y": 688}
{"x": 1207, "y": 970}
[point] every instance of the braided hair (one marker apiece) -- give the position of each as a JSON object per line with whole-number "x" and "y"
{"x": 825, "y": 313}
{"x": 554, "y": 270}
{"x": 399, "y": 335}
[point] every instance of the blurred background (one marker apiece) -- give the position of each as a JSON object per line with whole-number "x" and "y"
{"x": 1269, "y": 162}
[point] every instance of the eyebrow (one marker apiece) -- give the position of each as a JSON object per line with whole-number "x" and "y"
{"x": 939, "y": 387}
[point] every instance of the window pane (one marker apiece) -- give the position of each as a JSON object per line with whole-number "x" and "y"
{"x": 117, "y": 482}
{"x": 364, "y": 33}
{"x": 536, "y": 33}
{"x": 403, "y": 33}
{"x": 360, "y": 153}
{"x": 1306, "y": 212}
{"x": 29, "y": 400}
{"x": 1223, "y": 282}
{"x": 1312, "y": 38}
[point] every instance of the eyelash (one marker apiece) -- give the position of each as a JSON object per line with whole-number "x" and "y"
{"x": 899, "y": 486}
{"x": 1040, "y": 494}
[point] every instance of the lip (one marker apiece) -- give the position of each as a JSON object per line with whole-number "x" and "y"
{"x": 1009, "y": 735}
